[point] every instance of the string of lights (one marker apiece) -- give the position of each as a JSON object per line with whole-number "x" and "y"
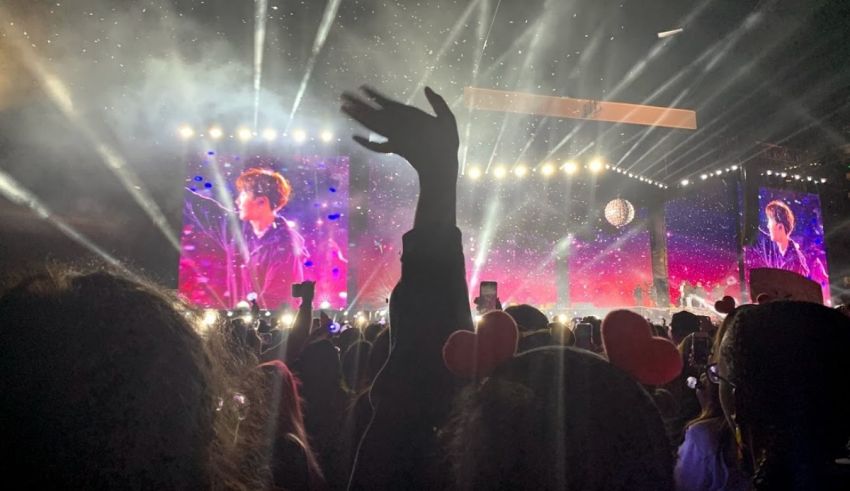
{"x": 245, "y": 134}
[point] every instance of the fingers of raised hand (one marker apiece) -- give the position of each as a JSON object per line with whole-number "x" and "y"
{"x": 383, "y": 147}
{"x": 376, "y": 96}
{"x": 441, "y": 108}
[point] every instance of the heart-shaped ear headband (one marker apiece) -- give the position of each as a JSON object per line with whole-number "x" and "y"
{"x": 476, "y": 354}
{"x": 627, "y": 338}
{"x": 630, "y": 346}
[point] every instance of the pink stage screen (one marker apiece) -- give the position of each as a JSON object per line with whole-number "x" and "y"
{"x": 254, "y": 225}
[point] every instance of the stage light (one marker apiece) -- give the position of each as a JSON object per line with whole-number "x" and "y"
{"x": 210, "y": 317}
{"x": 185, "y": 132}
{"x": 631, "y": 175}
{"x": 719, "y": 172}
{"x": 734, "y": 167}
{"x": 300, "y": 136}
{"x": 325, "y": 304}
{"x": 796, "y": 177}
{"x": 360, "y": 320}
{"x": 477, "y": 319}
{"x": 770, "y": 172}
{"x": 326, "y": 136}
{"x": 784, "y": 174}
{"x": 548, "y": 169}
{"x": 474, "y": 173}
{"x": 500, "y": 173}
{"x": 703, "y": 177}
{"x": 287, "y": 319}
{"x": 823, "y": 180}
{"x": 244, "y": 134}
{"x": 269, "y": 134}
{"x": 595, "y": 165}
{"x": 570, "y": 167}
{"x": 520, "y": 170}
{"x": 562, "y": 318}
{"x": 215, "y": 133}
{"x": 809, "y": 178}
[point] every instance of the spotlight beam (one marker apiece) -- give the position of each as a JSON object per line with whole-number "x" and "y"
{"x": 482, "y": 36}
{"x": 59, "y": 94}
{"x": 321, "y": 36}
{"x": 260, "y": 16}
{"x": 453, "y": 33}
{"x": 19, "y": 195}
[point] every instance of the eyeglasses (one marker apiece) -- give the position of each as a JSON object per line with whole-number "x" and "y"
{"x": 713, "y": 373}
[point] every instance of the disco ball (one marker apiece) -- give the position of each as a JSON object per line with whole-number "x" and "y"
{"x": 619, "y": 212}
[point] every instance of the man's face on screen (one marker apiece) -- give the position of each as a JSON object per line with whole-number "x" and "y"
{"x": 251, "y": 207}
{"x": 776, "y": 229}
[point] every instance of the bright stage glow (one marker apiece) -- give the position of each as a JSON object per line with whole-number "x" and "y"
{"x": 562, "y": 318}
{"x": 734, "y": 167}
{"x": 210, "y": 317}
{"x": 326, "y": 136}
{"x": 287, "y": 319}
{"x": 325, "y": 304}
{"x": 770, "y": 172}
{"x": 548, "y": 169}
{"x": 685, "y": 182}
{"x": 703, "y": 177}
{"x": 500, "y": 172}
{"x": 520, "y": 170}
{"x": 474, "y": 173}
{"x": 596, "y": 165}
{"x": 570, "y": 167}
{"x": 185, "y": 132}
{"x": 244, "y": 134}
{"x": 215, "y": 133}
{"x": 300, "y": 136}
{"x": 269, "y": 134}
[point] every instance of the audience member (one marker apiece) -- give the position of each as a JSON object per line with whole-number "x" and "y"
{"x": 105, "y": 384}
{"x": 533, "y": 326}
{"x": 782, "y": 374}
{"x": 558, "y": 418}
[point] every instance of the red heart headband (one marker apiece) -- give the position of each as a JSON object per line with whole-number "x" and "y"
{"x": 476, "y": 354}
{"x": 630, "y": 346}
{"x": 626, "y": 336}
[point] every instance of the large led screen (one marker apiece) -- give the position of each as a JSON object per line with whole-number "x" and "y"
{"x": 255, "y": 225}
{"x": 702, "y": 245}
{"x": 790, "y": 236}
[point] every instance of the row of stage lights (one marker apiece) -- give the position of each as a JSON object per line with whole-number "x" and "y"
{"x": 571, "y": 167}
{"x": 707, "y": 175}
{"x": 769, "y": 173}
{"x": 245, "y": 135}
{"x": 796, "y": 177}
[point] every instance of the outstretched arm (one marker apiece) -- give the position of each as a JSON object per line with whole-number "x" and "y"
{"x": 414, "y": 391}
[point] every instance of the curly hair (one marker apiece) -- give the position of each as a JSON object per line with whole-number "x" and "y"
{"x": 267, "y": 183}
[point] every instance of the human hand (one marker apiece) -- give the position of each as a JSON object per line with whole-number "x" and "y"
{"x": 429, "y": 143}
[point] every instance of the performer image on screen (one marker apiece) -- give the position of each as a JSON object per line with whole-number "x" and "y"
{"x": 784, "y": 253}
{"x": 274, "y": 249}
